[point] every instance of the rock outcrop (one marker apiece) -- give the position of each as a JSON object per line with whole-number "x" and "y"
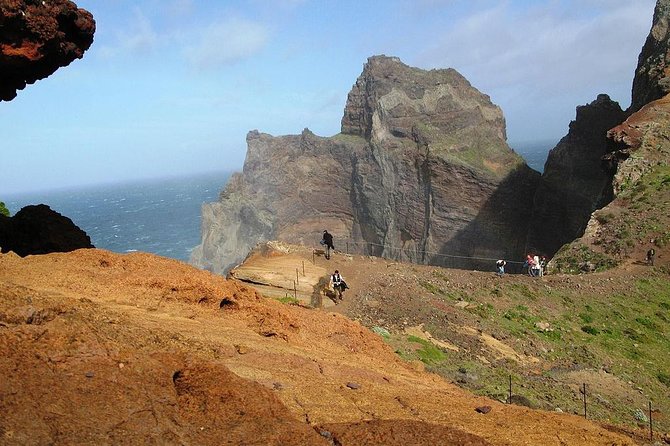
{"x": 652, "y": 76}
{"x": 421, "y": 171}
{"x": 575, "y": 181}
{"x": 635, "y": 218}
{"x": 38, "y": 37}
{"x": 40, "y": 230}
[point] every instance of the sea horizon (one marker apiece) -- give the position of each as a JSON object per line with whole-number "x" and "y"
{"x": 159, "y": 215}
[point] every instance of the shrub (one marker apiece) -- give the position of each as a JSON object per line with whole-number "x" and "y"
{"x": 3, "y": 209}
{"x": 590, "y": 330}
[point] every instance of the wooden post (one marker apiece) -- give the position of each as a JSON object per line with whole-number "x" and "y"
{"x": 584, "y": 392}
{"x": 347, "y": 247}
{"x": 295, "y": 290}
{"x": 297, "y": 278}
{"x": 509, "y": 401}
{"x": 303, "y": 268}
{"x": 651, "y": 425}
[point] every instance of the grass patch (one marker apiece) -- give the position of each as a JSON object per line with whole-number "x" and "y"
{"x": 428, "y": 353}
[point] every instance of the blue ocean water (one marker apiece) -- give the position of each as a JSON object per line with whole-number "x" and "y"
{"x": 157, "y": 216}
{"x": 535, "y": 153}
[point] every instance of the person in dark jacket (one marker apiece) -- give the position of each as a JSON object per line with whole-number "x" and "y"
{"x": 328, "y": 243}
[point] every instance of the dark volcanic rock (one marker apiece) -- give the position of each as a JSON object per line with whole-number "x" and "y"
{"x": 575, "y": 182}
{"x": 420, "y": 171}
{"x": 40, "y": 230}
{"x": 652, "y": 77}
{"x": 38, "y": 37}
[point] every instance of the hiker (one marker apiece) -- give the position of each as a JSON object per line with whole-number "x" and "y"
{"x": 537, "y": 269}
{"x": 543, "y": 266}
{"x": 650, "y": 256}
{"x": 338, "y": 284}
{"x": 529, "y": 264}
{"x": 327, "y": 241}
{"x": 501, "y": 267}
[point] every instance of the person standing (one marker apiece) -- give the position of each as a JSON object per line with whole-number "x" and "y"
{"x": 650, "y": 256}
{"x": 537, "y": 269}
{"x": 328, "y": 242}
{"x": 338, "y": 284}
{"x": 501, "y": 267}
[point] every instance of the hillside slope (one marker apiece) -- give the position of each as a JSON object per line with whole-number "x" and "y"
{"x": 549, "y": 335}
{"x": 100, "y": 348}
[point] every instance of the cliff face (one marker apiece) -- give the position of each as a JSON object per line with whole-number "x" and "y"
{"x": 421, "y": 169}
{"x": 652, "y": 76}
{"x": 636, "y": 216}
{"x": 575, "y": 181}
{"x": 37, "y": 38}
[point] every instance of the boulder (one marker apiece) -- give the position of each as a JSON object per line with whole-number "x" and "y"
{"x": 38, "y": 37}
{"x": 40, "y": 230}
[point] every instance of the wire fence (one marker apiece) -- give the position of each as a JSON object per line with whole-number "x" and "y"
{"x": 413, "y": 255}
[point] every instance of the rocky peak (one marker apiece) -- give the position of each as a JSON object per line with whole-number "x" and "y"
{"x": 652, "y": 77}
{"x": 37, "y": 38}
{"x": 574, "y": 183}
{"x": 391, "y": 99}
{"x": 421, "y": 172}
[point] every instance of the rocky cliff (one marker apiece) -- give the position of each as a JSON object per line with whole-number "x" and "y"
{"x": 420, "y": 171}
{"x": 575, "y": 181}
{"x": 38, "y": 37}
{"x": 635, "y": 218}
{"x": 652, "y": 76}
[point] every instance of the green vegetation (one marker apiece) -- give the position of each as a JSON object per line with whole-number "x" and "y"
{"x": 578, "y": 258}
{"x": 571, "y": 324}
{"x": 290, "y": 300}
{"x": 3, "y": 209}
{"x": 428, "y": 353}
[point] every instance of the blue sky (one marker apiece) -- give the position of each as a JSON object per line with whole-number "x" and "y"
{"x": 171, "y": 87}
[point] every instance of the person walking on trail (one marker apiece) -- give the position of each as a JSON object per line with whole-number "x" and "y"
{"x": 327, "y": 241}
{"x": 338, "y": 284}
{"x": 501, "y": 267}
{"x": 650, "y": 256}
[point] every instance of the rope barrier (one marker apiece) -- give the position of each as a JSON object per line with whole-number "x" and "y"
{"x": 433, "y": 253}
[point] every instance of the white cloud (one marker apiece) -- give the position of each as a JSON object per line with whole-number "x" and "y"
{"x": 227, "y": 43}
{"x": 544, "y": 47}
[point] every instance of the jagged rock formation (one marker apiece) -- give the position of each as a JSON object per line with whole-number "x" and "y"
{"x": 421, "y": 169}
{"x": 636, "y": 218}
{"x": 38, "y": 37}
{"x": 652, "y": 76}
{"x": 575, "y": 182}
{"x": 40, "y": 230}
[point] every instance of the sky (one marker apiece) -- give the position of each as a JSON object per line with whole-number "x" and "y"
{"x": 172, "y": 87}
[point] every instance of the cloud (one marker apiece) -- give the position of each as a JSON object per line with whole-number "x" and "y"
{"x": 138, "y": 37}
{"x": 544, "y": 47}
{"x": 227, "y": 43}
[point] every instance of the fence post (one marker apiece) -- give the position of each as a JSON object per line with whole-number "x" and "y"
{"x": 297, "y": 278}
{"x": 303, "y": 268}
{"x": 295, "y": 290}
{"x": 584, "y": 392}
{"x": 509, "y": 401}
{"x": 651, "y": 426}
{"x": 347, "y": 248}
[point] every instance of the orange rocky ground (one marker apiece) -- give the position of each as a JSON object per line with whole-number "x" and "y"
{"x": 102, "y": 348}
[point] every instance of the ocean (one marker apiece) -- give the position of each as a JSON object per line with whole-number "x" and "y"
{"x": 157, "y": 216}
{"x": 535, "y": 153}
